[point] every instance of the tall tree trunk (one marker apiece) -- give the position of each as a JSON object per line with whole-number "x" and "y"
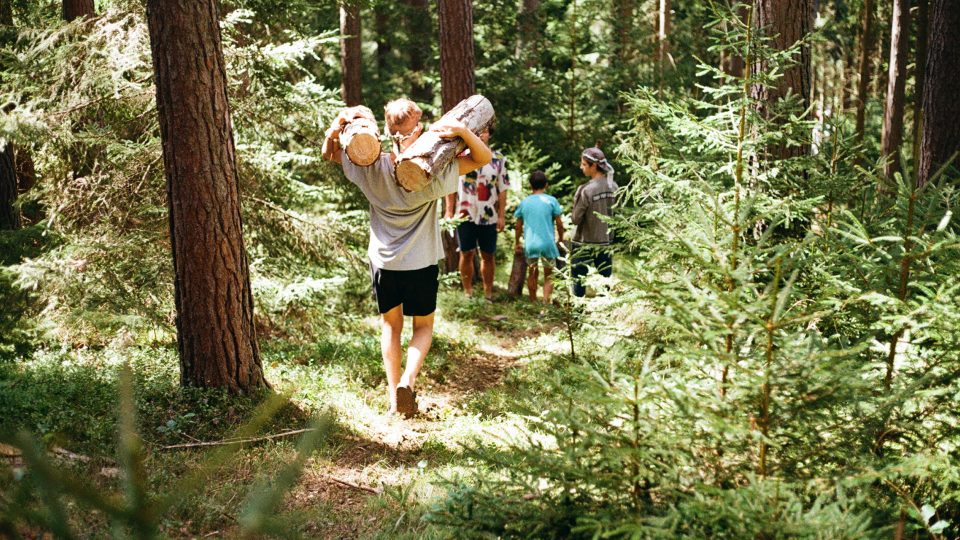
{"x": 6, "y": 13}
{"x": 382, "y": 23}
{"x": 866, "y": 47}
{"x": 9, "y": 215}
{"x": 663, "y": 32}
{"x": 625, "y": 66}
{"x": 456, "y": 76}
{"x": 787, "y": 22}
{"x": 350, "y": 53}
{"x": 528, "y": 36}
{"x": 420, "y": 34}
{"x": 941, "y": 108}
{"x": 215, "y": 327}
{"x": 920, "y": 67}
{"x": 892, "y": 137}
{"x": 73, "y": 9}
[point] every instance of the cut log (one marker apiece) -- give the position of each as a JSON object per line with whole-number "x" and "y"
{"x": 429, "y": 154}
{"x": 361, "y": 138}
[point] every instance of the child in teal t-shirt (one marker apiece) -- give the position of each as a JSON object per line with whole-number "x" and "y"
{"x": 536, "y": 217}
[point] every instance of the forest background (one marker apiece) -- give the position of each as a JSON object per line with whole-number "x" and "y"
{"x": 776, "y": 356}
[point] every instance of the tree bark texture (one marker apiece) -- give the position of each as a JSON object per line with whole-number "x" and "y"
{"x": 528, "y": 36}
{"x": 866, "y": 48}
{"x": 382, "y": 26}
{"x": 892, "y": 137}
{"x": 456, "y": 52}
{"x": 663, "y": 33}
{"x": 73, "y": 9}
{"x": 215, "y": 326}
{"x": 9, "y": 215}
{"x": 941, "y": 107}
{"x": 420, "y": 34}
{"x": 920, "y": 66}
{"x": 350, "y": 59}
{"x": 787, "y": 22}
{"x": 518, "y": 275}
{"x": 416, "y": 165}
{"x": 6, "y": 13}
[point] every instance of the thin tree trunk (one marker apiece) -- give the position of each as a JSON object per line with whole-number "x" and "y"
{"x": 382, "y": 24}
{"x": 350, "y": 59}
{"x": 941, "y": 108}
{"x": 420, "y": 34}
{"x": 663, "y": 32}
{"x": 866, "y": 46}
{"x": 215, "y": 326}
{"x": 9, "y": 215}
{"x": 892, "y": 137}
{"x": 73, "y": 9}
{"x": 920, "y": 67}
{"x": 528, "y": 36}
{"x": 787, "y": 22}
{"x": 456, "y": 76}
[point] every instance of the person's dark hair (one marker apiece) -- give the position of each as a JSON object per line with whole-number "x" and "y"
{"x": 595, "y": 155}
{"x": 538, "y": 180}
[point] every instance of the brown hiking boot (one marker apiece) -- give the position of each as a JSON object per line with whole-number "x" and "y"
{"x": 406, "y": 401}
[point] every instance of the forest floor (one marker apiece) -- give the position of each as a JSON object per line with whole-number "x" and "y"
{"x": 372, "y": 476}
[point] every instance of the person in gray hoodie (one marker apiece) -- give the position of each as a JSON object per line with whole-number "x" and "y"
{"x": 592, "y": 200}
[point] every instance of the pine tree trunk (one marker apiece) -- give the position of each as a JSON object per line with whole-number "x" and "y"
{"x": 518, "y": 275}
{"x": 866, "y": 48}
{"x": 73, "y": 9}
{"x": 663, "y": 32}
{"x": 456, "y": 75}
{"x": 350, "y": 59}
{"x": 892, "y": 137}
{"x": 941, "y": 108}
{"x": 789, "y": 21}
{"x": 528, "y": 36}
{"x": 382, "y": 22}
{"x": 920, "y": 67}
{"x": 9, "y": 215}
{"x": 215, "y": 326}
{"x": 420, "y": 34}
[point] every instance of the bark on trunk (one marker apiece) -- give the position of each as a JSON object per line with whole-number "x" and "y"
{"x": 215, "y": 326}
{"x": 528, "y": 37}
{"x": 9, "y": 215}
{"x": 350, "y": 54}
{"x": 866, "y": 47}
{"x": 663, "y": 32}
{"x": 429, "y": 154}
{"x": 920, "y": 67}
{"x": 6, "y": 13}
{"x": 518, "y": 275}
{"x": 420, "y": 34}
{"x": 456, "y": 52}
{"x": 941, "y": 108}
{"x": 73, "y": 9}
{"x": 786, "y": 21}
{"x": 892, "y": 137}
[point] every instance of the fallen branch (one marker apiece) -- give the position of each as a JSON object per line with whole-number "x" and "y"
{"x": 354, "y": 486}
{"x": 238, "y": 441}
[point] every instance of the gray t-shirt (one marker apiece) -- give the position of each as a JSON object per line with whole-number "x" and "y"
{"x": 404, "y": 226}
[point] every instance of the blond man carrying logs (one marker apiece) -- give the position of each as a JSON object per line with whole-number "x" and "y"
{"x": 404, "y": 236}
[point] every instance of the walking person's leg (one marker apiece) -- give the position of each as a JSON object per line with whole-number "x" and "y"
{"x": 578, "y": 269}
{"x": 532, "y": 265}
{"x": 487, "y": 265}
{"x": 466, "y": 270}
{"x": 547, "y": 284}
{"x": 417, "y": 349}
{"x": 391, "y": 325}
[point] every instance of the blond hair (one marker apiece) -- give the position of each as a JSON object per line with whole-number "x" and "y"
{"x": 399, "y": 111}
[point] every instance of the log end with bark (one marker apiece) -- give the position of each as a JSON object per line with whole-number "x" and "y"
{"x": 361, "y": 139}
{"x": 418, "y": 164}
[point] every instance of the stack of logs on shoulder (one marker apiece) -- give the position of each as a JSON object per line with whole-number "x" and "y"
{"x": 429, "y": 154}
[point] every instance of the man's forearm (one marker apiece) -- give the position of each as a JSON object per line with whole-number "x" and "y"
{"x": 479, "y": 152}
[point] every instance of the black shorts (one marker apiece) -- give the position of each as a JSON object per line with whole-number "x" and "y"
{"x": 470, "y": 235}
{"x": 416, "y": 290}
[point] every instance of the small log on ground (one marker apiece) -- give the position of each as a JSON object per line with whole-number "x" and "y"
{"x": 361, "y": 138}
{"x": 417, "y": 165}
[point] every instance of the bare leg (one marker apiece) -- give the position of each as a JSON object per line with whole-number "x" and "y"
{"x": 532, "y": 282}
{"x": 466, "y": 271}
{"x": 547, "y": 284}
{"x": 487, "y": 265}
{"x": 391, "y": 324}
{"x": 418, "y": 348}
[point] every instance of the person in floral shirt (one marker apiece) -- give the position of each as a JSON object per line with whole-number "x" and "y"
{"x": 481, "y": 198}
